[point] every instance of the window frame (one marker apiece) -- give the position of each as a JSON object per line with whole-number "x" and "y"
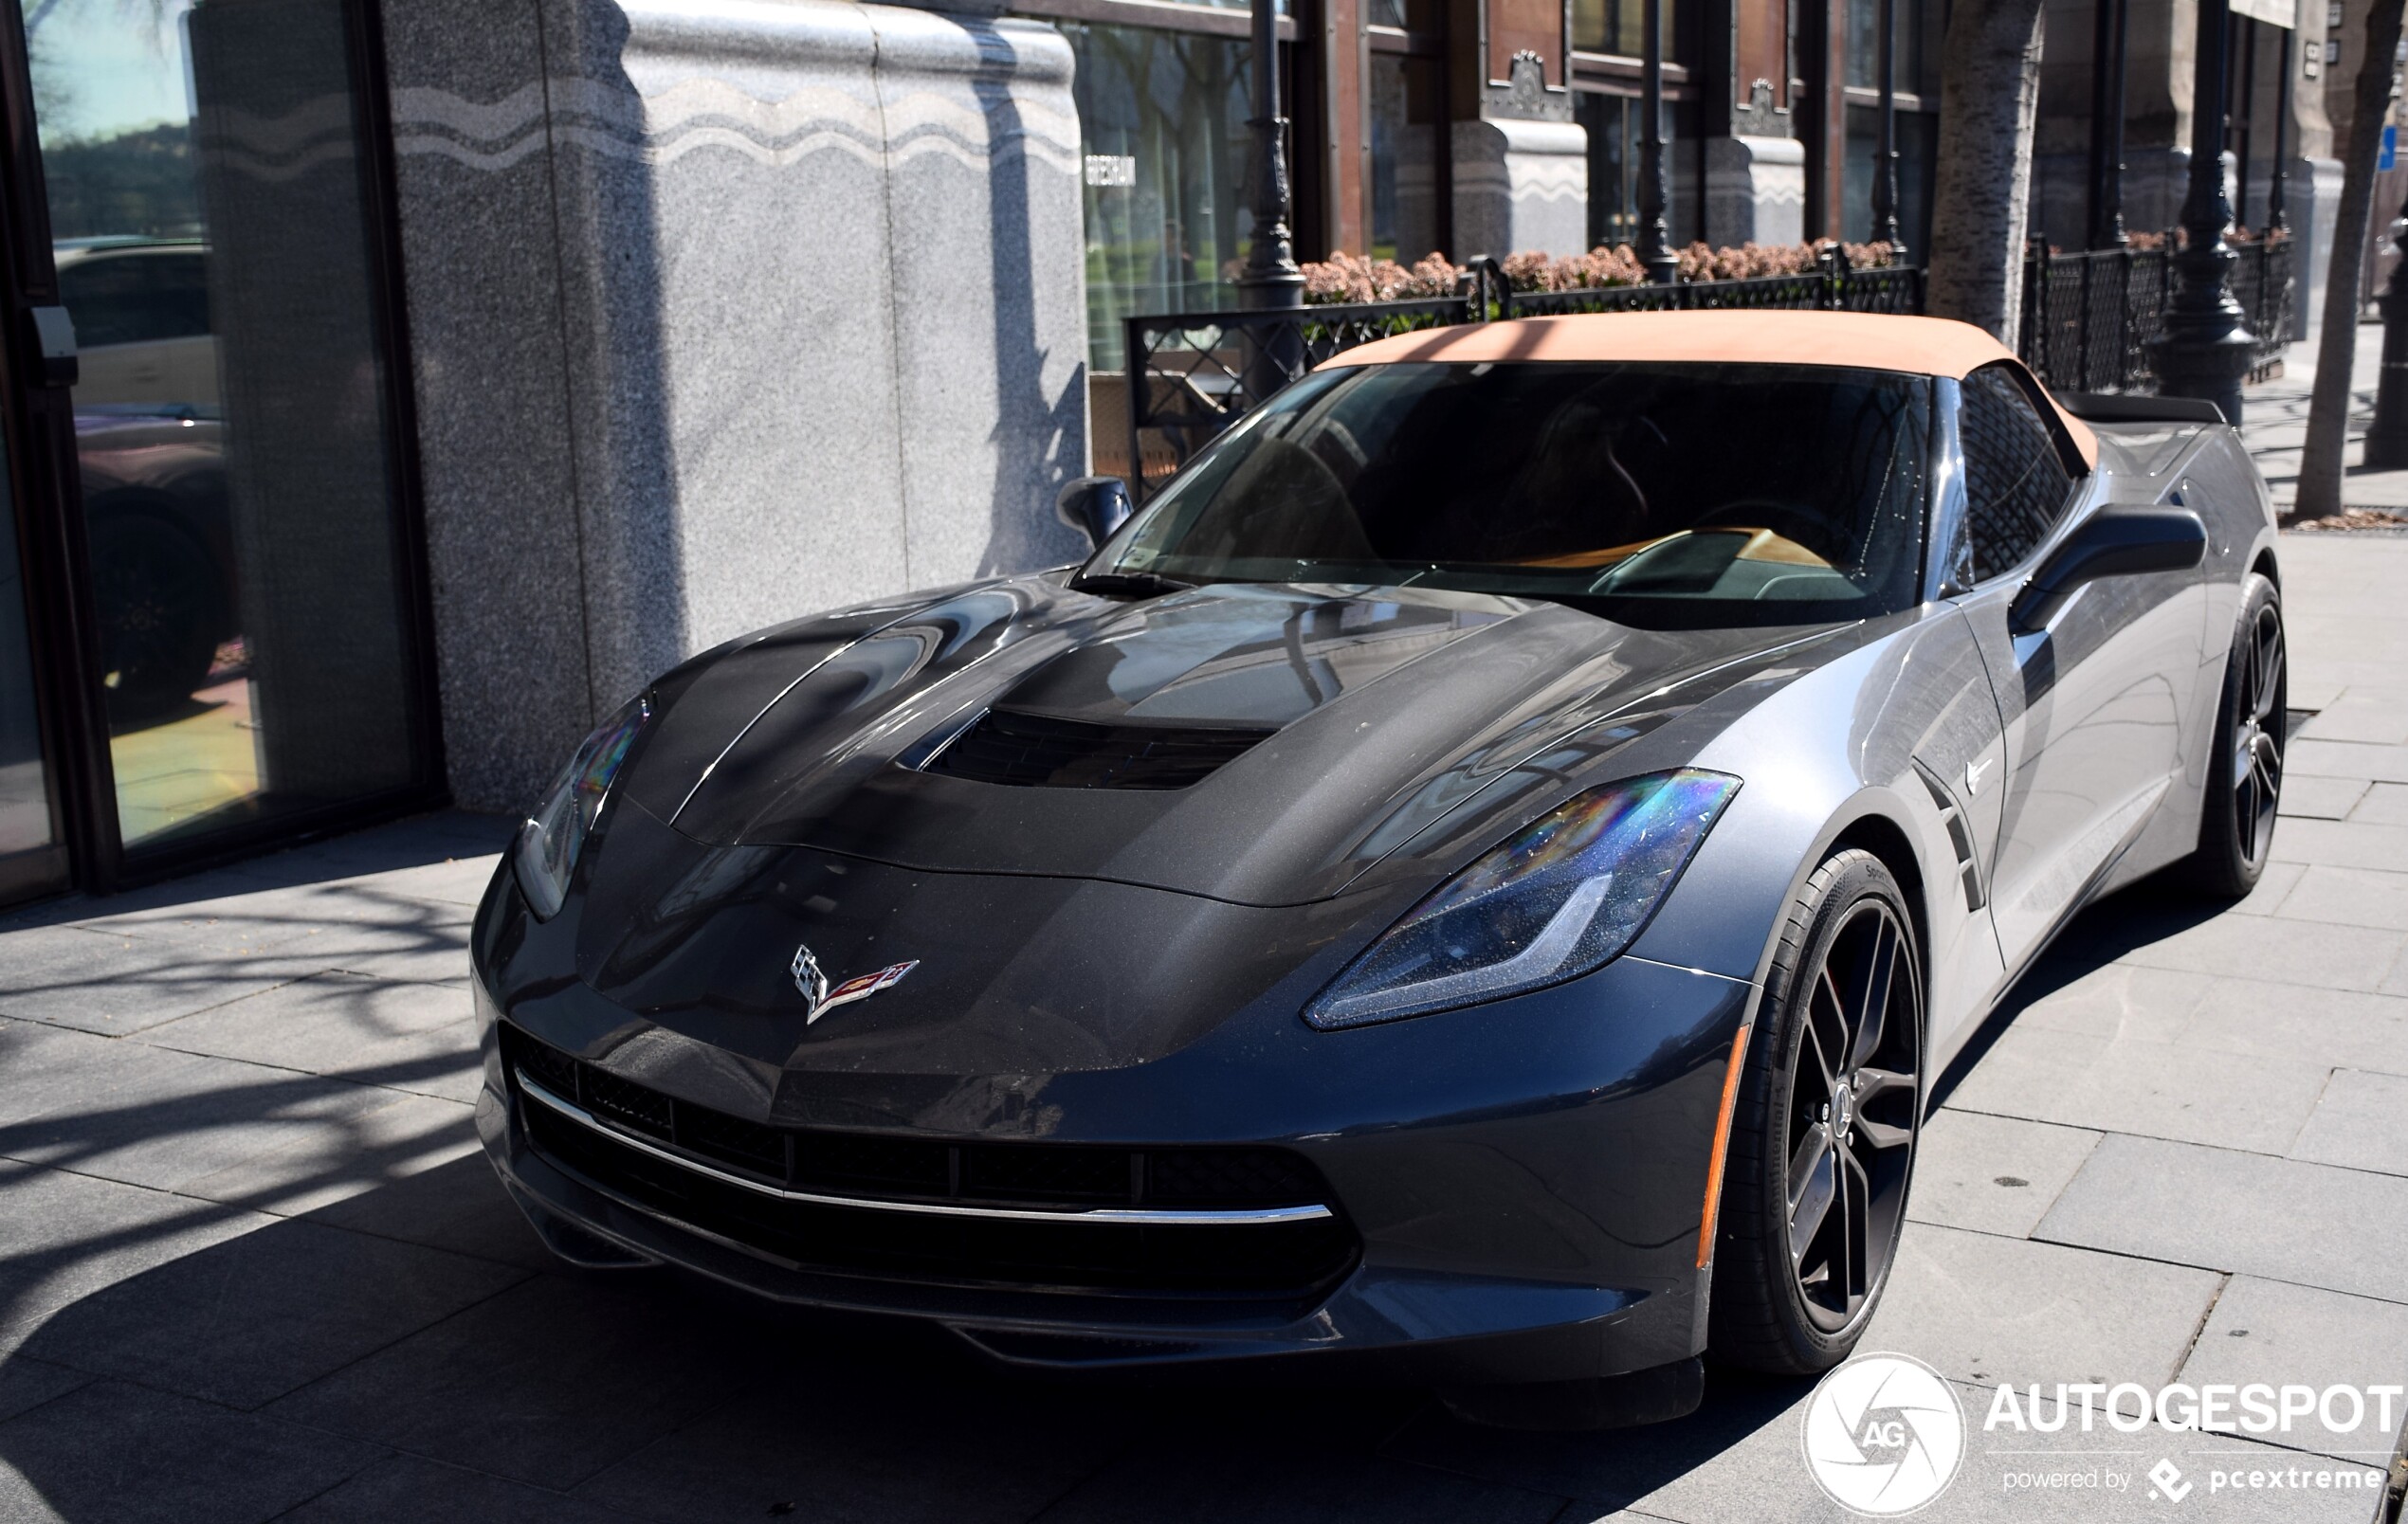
{"x": 1945, "y": 558}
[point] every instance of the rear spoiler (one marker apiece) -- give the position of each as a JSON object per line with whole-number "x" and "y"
{"x": 2125, "y": 407}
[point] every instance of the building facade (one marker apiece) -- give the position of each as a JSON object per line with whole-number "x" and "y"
{"x": 2280, "y": 167}
{"x": 395, "y": 386}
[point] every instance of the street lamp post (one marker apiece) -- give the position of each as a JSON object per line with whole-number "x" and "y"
{"x": 2205, "y": 348}
{"x": 2107, "y": 126}
{"x": 1886, "y": 179}
{"x": 1655, "y": 241}
{"x": 1271, "y": 278}
{"x": 2387, "y": 436}
{"x": 2274, "y": 188}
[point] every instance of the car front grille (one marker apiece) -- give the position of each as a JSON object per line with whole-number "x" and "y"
{"x": 948, "y": 1240}
{"x": 1040, "y": 752}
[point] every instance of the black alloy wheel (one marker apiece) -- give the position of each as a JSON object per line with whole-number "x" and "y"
{"x": 2257, "y": 740}
{"x": 1823, "y": 1133}
{"x": 1852, "y": 1115}
{"x": 2244, "y": 765}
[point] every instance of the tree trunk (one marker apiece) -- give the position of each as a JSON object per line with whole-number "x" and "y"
{"x": 1989, "y": 92}
{"x": 2320, "y": 464}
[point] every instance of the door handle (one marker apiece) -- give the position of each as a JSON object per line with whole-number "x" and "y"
{"x": 53, "y": 336}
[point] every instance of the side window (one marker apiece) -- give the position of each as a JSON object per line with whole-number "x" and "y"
{"x": 183, "y": 295}
{"x": 2015, "y": 480}
{"x": 135, "y": 299}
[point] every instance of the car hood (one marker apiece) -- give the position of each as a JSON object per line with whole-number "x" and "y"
{"x": 1387, "y": 710}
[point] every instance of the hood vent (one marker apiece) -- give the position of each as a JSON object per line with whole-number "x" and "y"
{"x": 1040, "y": 752}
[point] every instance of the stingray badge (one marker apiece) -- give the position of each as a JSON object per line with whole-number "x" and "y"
{"x": 819, "y": 999}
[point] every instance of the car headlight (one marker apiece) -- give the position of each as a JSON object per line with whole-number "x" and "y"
{"x": 1562, "y": 897}
{"x": 555, "y": 834}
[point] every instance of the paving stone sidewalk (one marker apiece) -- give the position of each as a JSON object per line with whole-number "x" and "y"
{"x": 251, "y": 1266}
{"x": 2274, "y": 421}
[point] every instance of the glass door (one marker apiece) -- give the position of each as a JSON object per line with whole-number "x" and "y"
{"x": 32, "y": 856}
{"x": 250, "y": 579}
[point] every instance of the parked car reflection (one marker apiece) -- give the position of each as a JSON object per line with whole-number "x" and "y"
{"x": 141, "y": 316}
{"x": 161, "y": 551}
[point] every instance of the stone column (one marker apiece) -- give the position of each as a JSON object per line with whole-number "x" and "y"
{"x": 1755, "y": 189}
{"x": 722, "y": 312}
{"x": 1520, "y": 171}
{"x": 2311, "y": 192}
{"x": 1520, "y": 185}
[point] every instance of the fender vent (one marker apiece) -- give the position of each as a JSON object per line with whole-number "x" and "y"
{"x": 1960, "y": 834}
{"x": 1040, "y": 752}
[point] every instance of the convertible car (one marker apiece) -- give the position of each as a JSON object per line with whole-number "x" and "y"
{"x": 1473, "y": 882}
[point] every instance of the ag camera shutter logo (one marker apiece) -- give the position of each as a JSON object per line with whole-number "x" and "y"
{"x": 1884, "y": 1435}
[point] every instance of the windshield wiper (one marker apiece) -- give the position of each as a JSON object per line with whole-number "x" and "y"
{"x": 1129, "y": 584}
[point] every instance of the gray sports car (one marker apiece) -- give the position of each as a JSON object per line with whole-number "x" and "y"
{"x": 1477, "y": 876}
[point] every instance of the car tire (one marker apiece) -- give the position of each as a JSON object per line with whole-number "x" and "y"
{"x": 2245, "y": 756}
{"x": 160, "y": 601}
{"x": 1815, "y": 1187}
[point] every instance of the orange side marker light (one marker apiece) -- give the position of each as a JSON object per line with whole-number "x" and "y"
{"x": 1722, "y": 1145}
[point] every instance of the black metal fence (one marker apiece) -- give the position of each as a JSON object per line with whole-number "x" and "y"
{"x": 1834, "y": 287}
{"x": 2088, "y": 318}
{"x": 2263, "y": 281}
{"x": 1192, "y": 374}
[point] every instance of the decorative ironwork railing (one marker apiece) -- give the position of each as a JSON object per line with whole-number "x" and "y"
{"x": 2263, "y": 281}
{"x": 1832, "y": 288}
{"x": 2088, "y": 318}
{"x": 1192, "y": 375}
{"x": 2087, "y": 322}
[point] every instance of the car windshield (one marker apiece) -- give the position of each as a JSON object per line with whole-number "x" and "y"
{"x": 1662, "y": 495}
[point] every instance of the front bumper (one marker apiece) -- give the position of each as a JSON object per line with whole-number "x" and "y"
{"x": 1522, "y": 1186}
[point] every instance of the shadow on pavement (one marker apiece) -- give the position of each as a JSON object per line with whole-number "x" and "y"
{"x": 368, "y": 1330}
{"x": 408, "y": 1351}
{"x": 420, "y": 841}
{"x": 2125, "y": 921}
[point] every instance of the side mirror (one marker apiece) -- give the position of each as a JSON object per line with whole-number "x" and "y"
{"x": 1095, "y": 506}
{"x": 2115, "y": 542}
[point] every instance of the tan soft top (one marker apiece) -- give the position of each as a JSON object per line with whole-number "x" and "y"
{"x": 1919, "y": 346}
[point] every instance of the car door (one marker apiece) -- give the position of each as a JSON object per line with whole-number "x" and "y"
{"x": 141, "y": 323}
{"x": 2093, "y": 702}
{"x": 181, "y": 291}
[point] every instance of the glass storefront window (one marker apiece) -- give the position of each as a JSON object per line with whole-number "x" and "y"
{"x": 1916, "y": 131}
{"x": 247, "y": 554}
{"x": 25, "y": 781}
{"x": 1617, "y": 125}
{"x": 1918, "y": 45}
{"x": 1428, "y": 16}
{"x": 1613, "y": 125}
{"x": 1407, "y": 119}
{"x": 1163, "y": 115}
{"x": 1620, "y": 26}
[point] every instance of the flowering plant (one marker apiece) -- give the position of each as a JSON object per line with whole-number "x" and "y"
{"x": 1357, "y": 277}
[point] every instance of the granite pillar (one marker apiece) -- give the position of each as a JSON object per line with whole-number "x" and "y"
{"x": 1754, "y": 190}
{"x": 2312, "y": 191}
{"x": 1520, "y": 185}
{"x": 724, "y": 311}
